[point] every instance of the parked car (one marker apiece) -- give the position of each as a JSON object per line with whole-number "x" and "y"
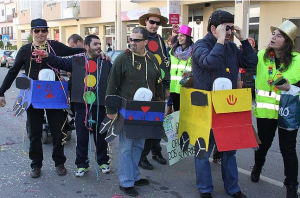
{"x": 114, "y": 54}
{"x": 3, "y": 56}
{"x": 11, "y": 59}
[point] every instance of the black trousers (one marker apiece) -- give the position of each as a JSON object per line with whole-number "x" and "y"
{"x": 176, "y": 101}
{"x": 287, "y": 144}
{"x": 82, "y": 133}
{"x": 56, "y": 119}
{"x": 151, "y": 145}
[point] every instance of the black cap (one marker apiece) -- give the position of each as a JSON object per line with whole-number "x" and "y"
{"x": 39, "y": 23}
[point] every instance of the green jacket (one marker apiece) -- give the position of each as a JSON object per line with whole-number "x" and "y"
{"x": 177, "y": 68}
{"x": 268, "y": 96}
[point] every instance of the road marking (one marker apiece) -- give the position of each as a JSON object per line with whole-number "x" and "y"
{"x": 248, "y": 173}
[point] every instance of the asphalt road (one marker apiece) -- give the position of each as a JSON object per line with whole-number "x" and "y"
{"x": 165, "y": 181}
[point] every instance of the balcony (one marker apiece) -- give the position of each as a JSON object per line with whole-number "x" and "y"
{"x": 71, "y": 12}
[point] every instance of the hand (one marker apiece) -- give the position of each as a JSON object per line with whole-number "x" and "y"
{"x": 2, "y": 101}
{"x": 42, "y": 53}
{"x": 221, "y": 33}
{"x": 238, "y": 33}
{"x": 285, "y": 87}
{"x": 104, "y": 55}
{"x": 111, "y": 116}
{"x": 167, "y": 93}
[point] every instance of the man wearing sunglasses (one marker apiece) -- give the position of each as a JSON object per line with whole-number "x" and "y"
{"x": 216, "y": 56}
{"x": 156, "y": 45}
{"x": 133, "y": 69}
{"x": 33, "y": 64}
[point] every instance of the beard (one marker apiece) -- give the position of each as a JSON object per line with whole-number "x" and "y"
{"x": 94, "y": 52}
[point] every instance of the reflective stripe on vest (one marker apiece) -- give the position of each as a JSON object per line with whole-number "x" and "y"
{"x": 263, "y": 105}
{"x": 176, "y": 77}
{"x": 174, "y": 66}
{"x": 267, "y": 94}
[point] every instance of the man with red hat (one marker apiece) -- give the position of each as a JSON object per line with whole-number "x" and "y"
{"x": 156, "y": 45}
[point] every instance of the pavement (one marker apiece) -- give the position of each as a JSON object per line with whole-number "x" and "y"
{"x": 176, "y": 181}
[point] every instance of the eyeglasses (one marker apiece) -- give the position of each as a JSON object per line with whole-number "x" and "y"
{"x": 154, "y": 22}
{"x": 229, "y": 27}
{"x": 135, "y": 40}
{"x": 40, "y": 30}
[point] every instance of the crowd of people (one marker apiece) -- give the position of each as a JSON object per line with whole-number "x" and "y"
{"x": 149, "y": 63}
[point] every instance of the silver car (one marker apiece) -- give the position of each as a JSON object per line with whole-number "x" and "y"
{"x": 3, "y": 56}
{"x": 11, "y": 59}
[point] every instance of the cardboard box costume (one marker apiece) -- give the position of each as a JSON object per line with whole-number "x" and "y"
{"x": 226, "y": 112}
{"x": 139, "y": 119}
{"x": 41, "y": 94}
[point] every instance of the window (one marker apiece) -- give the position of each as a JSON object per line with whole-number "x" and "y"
{"x": 2, "y": 12}
{"x": 13, "y": 11}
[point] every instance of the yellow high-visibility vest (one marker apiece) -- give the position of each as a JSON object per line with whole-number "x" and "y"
{"x": 268, "y": 96}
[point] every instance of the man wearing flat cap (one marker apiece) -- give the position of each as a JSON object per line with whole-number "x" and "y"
{"x": 33, "y": 65}
{"x": 156, "y": 45}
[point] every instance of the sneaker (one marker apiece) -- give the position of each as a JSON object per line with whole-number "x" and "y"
{"x": 61, "y": 170}
{"x": 239, "y": 194}
{"x": 35, "y": 173}
{"x": 80, "y": 172}
{"x": 105, "y": 168}
{"x": 205, "y": 195}
{"x": 130, "y": 191}
{"x": 141, "y": 182}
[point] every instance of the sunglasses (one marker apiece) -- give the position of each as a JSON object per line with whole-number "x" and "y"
{"x": 229, "y": 27}
{"x": 40, "y": 30}
{"x": 154, "y": 22}
{"x": 135, "y": 40}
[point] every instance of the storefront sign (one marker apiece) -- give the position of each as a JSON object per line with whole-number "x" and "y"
{"x": 173, "y": 18}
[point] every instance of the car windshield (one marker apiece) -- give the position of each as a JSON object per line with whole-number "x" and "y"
{"x": 8, "y": 53}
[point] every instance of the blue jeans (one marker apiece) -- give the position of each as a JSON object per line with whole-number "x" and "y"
{"x": 228, "y": 167}
{"x": 130, "y": 151}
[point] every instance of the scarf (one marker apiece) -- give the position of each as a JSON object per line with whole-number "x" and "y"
{"x": 183, "y": 55}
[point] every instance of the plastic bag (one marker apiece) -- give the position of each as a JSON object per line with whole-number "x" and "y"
{"x": 289, "y": 109}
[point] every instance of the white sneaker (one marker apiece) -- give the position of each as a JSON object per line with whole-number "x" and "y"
{"x": 80, "y": 172}
{"x": 105, "y": 168}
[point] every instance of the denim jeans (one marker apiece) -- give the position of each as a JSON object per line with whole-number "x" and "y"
{"x": 228, "y": 167}
{"x": 130, "y": 151}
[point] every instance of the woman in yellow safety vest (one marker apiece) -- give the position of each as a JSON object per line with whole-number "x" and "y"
{"x": 279, "y": 59}
{"x": 181, "y": 63}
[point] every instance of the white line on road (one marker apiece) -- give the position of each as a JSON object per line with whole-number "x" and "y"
{"x": 262, "y": 178}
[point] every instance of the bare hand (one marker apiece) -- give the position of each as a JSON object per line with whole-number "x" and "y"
{"x": 105, "y": 56}
{"x": 238, "y": 33}
{"x": 285, "y": 87}
{"x": 2, "y": 101}
{"x": 221, "y": 33}
{"x": 111, "y": 116}
{"x": 41, "y": 53}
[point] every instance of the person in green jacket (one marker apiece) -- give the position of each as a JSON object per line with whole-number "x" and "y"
{"x": 279, "y": 59}
{"x": 181, "y": 63}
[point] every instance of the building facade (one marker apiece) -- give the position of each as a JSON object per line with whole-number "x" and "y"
{"x": 113, "y": 20}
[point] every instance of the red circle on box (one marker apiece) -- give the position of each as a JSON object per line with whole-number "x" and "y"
{"x": 91, "y": 66}
{"x": 153, "y": 46}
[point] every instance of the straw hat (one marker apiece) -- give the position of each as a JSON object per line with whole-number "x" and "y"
{"x": 155, "y": 12}
{"x": 288, "y": 28}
